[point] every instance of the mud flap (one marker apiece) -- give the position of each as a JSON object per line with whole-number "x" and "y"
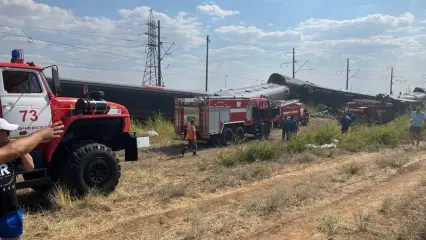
{"x": 132, "y": 145}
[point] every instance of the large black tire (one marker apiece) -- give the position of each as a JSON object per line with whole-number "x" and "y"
{"x": 239, "y": 135}
{"x": 214, "y": 141}
{"x": 93, "y": 166}
{"x": 227, "y": 137}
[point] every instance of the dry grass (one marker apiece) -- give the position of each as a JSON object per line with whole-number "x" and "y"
{"x": 329, "y": 223}
{"x": 160, "y": 182}
{"x": 362, "y": 220}
{"x": 60, "y": 197}
{"x": 273, "y": 201}
{"x": 352, "y": 168}
{"x": 394, "y": 161}
{"x": 387, "y": 206}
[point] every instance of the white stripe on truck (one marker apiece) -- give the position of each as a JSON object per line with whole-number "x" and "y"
{"x": 237, "y": 110}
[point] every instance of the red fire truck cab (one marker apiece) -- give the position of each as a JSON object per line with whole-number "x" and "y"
{"x": 223, "y": 120}
{"x": 286, "y": 108}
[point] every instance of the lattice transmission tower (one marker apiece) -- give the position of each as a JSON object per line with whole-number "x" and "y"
{"x": 151, "y": 65}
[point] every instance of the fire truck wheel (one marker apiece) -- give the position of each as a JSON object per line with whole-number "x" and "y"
{"x": 214, "y": 141}
{"x": 93, "y": 166}
{"x": 239, "y": 134}
{"x": 227, "y": 137}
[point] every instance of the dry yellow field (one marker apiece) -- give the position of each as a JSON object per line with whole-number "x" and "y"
{"x": 375, "y": 195}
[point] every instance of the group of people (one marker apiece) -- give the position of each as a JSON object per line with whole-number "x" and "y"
{"x": 289, "y": 126}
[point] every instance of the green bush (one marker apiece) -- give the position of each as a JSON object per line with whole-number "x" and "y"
{"x": 359, "y": 138}
{"x": 263, "y": 151}
{"x": 317, "y": 135}
{"x": 157, "y": 123}
{"x": 363, "y": 137}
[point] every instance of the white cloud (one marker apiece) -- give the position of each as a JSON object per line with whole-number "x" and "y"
{"x": 237, "y": 51}
{"x": 215, "y": 11}
{"x": 367, "y": 26}
{"x": 253, "y": 34}
{"x": 252, "y": 53}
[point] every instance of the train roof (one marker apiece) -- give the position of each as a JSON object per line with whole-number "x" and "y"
{"x": 254, "y": 91}
{"x": 134, "y": 87}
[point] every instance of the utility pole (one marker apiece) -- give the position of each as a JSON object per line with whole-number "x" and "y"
{"x": 348, "y": 71}
{"x": 207, "y": 62}
{"x": 159, "y": 82}
{"x": 347, "y": 74}
{"x": 391, "y": 81}
{"x": 294, "y": 62}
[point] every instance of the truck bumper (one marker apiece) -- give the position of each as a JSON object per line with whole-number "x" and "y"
{"x": 132, "y": 144}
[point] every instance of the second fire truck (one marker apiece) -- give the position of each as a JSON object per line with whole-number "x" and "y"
{"x": 223, "y": 120}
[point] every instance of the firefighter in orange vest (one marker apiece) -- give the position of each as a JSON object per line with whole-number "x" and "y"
{"x": 191, "y": 136}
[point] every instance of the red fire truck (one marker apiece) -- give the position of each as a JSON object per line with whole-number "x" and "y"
{"x": 223, "y": 120}
{"x": 286, "y": 108}
{"x": 370, "y": 111}
{"x": 83, "y": 158}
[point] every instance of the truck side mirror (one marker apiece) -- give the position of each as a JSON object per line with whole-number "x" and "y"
{"x": 56, "y": 81}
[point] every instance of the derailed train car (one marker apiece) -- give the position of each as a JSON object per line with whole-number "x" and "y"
{"x": 141, "y": 101}
{"x": 310, "y": 92}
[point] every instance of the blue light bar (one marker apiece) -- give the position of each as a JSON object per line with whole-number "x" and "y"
{"x": 17, "y": 56}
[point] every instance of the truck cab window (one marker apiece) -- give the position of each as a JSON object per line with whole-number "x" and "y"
{"x": 21, "y": 82}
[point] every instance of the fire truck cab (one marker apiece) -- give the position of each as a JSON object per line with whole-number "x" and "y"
{"x": 223, "y": 120}
{"x": 286, "y": 108}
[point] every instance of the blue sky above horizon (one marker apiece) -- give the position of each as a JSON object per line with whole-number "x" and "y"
{"x": 249, "y": 40}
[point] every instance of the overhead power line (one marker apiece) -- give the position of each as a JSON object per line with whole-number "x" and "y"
{"x": 31, "y": 39}
{"x": 92, "y": 33}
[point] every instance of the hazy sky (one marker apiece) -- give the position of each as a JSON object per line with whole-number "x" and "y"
{"x": 249, "y": 40}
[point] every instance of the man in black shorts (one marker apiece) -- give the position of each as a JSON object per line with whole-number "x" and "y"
{"x": 416, "y": 119}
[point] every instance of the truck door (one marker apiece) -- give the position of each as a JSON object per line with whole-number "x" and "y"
{"x": 24, "y": 101}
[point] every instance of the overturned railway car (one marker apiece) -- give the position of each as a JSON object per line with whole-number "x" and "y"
{"x": 310, "y": 92}
{"x": 141, "y": 101}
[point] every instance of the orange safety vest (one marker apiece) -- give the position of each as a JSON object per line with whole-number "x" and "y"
{"x": 189, "y": 134}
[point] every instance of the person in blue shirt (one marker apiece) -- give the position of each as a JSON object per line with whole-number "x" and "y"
{"x": 346, "y": 121}
{"x": 286, "y": 128}
{"x": 294, "y": 124}
{"x": 416, "y": 119}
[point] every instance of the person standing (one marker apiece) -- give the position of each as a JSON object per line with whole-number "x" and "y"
{"x": 285, "y": 125}
{"x": 11, "y": 216}
{"x": 191, "y": 136}
{"x": 416, "y": 119}
{"x": 345, "y": 121}
{"x": 260, "y": 127}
